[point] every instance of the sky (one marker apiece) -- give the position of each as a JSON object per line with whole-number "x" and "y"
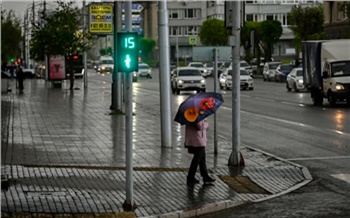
{"x": 20, "y": 6}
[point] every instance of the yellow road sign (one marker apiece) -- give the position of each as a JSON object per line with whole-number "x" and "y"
{"x": 101, "y": 19}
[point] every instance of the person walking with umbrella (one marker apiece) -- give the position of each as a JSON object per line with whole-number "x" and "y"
{"x": 192, "y": 113}
{"x": 196, "y": 141}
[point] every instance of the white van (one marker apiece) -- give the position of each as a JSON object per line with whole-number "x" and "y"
{"x": 106, "y": 64}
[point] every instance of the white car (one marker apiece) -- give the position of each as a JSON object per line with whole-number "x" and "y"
{"x": 246, "y": 81}
{"x": 270, "y": 70}
{"x": 145, "y": 70}
{"x": 201, "y": 67}
{"x": 187, "y": 78}
{"x": 295, "y": 80}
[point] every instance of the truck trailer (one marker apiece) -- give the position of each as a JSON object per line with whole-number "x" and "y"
{"x": 326, "y": 70}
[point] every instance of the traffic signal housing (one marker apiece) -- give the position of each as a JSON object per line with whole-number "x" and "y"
{"x": 128, "y": 52}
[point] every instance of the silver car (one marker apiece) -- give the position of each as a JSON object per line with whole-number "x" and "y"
{"x": 295, "y": 80}
{"x": 187, "y": 78}
{"x": 270, "y": 70}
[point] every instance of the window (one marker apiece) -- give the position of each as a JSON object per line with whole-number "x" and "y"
{"x": 269, "y": 17}
{"x": 174, "y": 14}
{"x": 249, "y": 17}
{"x": 191, "y": 13}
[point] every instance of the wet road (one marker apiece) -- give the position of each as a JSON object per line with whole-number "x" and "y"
{"x": 287, "y": 125}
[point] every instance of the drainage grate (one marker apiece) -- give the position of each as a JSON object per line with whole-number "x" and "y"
{"x": 243, "y": 185}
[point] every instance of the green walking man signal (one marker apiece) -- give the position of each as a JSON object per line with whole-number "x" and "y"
{"x": 128, "y": 52}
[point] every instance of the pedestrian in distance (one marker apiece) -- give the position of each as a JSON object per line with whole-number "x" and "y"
{"x": 196, "y": 141}
{"x": 20, "y": 78}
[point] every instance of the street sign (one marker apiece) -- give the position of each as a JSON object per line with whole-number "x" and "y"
{"x": 128, "y": 52}
{"x": 135, "y": 18}
{"x": 101, "y": 19}
{"x": 192, "y": 40}
{"x": 134, "y": 7}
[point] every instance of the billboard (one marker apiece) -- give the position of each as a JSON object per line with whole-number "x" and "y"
{"x": 101, "y": 19}
{"x": 57, "y": 70}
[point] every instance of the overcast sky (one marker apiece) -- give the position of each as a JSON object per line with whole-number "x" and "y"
{"x": 20, "y": 6}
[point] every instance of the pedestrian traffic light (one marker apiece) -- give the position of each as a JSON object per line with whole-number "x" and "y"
{"x": 128, "y": 52}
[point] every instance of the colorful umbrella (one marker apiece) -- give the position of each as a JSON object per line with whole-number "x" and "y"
{"x": 197, "y": 107}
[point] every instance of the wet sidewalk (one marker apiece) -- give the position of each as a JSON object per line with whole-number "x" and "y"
{"x": 64, "y": 155}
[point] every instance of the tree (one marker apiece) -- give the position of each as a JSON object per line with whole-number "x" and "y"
{"x": 271, "y": 31}
{"x": 250, "y": 27}
{"x": 146, "y": 47}
{"x": 61, "y": 35}
{"x": 345, "y": 8}
{"x": 11, "y": 36}
{"x": 213, "y": 32}
{"x": 306, "y": 24}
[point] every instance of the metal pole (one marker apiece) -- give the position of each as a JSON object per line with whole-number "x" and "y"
{"x": 129, "y": 202}
{"x": 84, "y": 41}
{"x": 164, "y": 75}
{"x": 119, "y": 90}
{"x": 215, "y": 90}
{"x": 235, "y": 157}
{"x": 177, "y": 46}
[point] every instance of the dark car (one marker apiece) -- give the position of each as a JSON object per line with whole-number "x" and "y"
{"x": 282, "y": 72}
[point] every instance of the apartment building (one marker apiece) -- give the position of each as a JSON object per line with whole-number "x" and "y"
{"x": 336, "y": 22}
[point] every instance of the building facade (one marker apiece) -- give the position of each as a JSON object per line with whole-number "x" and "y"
{"x": 336, "y": 22}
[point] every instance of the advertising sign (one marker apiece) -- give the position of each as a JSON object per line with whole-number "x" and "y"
{"x": 57, "y": 68}
{"x": 101, "y": 19}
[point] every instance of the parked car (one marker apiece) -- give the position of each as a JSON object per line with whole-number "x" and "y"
{"x": 5, "y": 81}
{"x": 246, "y": 66}
{"x": 246, "y": 81}
{"x": 282, "y": 71}
{"x": 29, "y": 73}
{"x": 295, "y": 80}
{"x": 269, "y": 70}
{"x": 187, "y": 78}
{"x": 145, "y": 70}
{"x": 201, "y": 67}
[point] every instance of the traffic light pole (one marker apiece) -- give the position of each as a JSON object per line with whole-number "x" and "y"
{"x": 164, "y": 75}
{"x": 129, "y": 203}
{"x": 236, "y": 158}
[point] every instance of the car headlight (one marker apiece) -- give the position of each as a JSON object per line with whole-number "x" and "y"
{"x": 203, "y": 81}
{"x": 149, "y": 71}
{"x": 250, "y": 79}
{"x": 300, "y": 81}
{"x": 180, "y": 81}
{"x": 339, "y": 87}
{"x": 135, "y": 73}
{"x": 103, "y": 68}
{"x": 205, "y": 71}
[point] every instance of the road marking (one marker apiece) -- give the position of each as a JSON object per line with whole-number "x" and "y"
{"x": 342, "y": 176}
{"x": 318, "y": 158}
{"x": 290, "y": 122}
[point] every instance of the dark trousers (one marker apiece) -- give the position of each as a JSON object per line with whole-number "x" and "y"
{"x": 20, "y": 83}
{"x": 198, "y": 159}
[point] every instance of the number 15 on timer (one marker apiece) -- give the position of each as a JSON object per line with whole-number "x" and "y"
{"x": 128, "y": 52}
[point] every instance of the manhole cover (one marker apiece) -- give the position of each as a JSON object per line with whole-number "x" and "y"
{"x": 243, "y": 185}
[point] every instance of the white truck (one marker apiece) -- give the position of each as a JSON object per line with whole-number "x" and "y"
{"x": 326, "y": 70}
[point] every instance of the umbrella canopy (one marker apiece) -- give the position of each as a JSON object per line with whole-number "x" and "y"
{"x": 197, "y": 107}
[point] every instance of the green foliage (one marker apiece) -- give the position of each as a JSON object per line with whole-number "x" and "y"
{"x": 271, "y": 31}
{"x": 345, "y": 8}
{"x": 250, "y": 27}
{"x": 146, "y": 46}
{"x": 213, "y": 33}
{"x": 307, "y": 24}
{"x": 107, "y": 51}
{"x": 61, "y": 34}
{"x": 10, "y": 36}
